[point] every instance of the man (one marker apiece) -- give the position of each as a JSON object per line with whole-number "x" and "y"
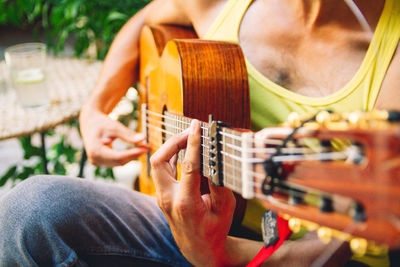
{"x": 303, "y": 55}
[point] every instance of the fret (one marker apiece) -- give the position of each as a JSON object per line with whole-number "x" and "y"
{"x": 205, "y": 150}
{"x": 144, "y": 120}
{"x": 232, "y": 170}
{"x": 225, "y": 161}
{"x": 247, "y": 168}
{"x": 236, "y": 150}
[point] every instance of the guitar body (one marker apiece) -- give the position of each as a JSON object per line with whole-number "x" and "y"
{"x": 153, "y": 40}
{"x": 193, "y": 78}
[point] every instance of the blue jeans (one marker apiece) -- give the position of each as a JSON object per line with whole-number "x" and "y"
{"x": 62, "y": 221}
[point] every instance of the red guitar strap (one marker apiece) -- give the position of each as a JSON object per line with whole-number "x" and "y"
{"x": 266, "y": 251}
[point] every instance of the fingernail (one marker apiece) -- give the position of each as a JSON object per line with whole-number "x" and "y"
{"x": 139, "y": 136}
{"x": 193, "y": 125}
{"x": 106, "y": 140}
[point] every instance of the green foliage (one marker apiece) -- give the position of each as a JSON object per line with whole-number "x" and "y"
{"x": 86, "y": 22}
{"x": 104, "y": 172}
{"x": 59, "y": 155}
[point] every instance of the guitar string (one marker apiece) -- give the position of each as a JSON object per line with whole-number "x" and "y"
{"x": 269, "y": 150}
{"x": 284, "y": 158}
{"x": 233, "y": 182}
{"x": 238, "y": 138}
{"x": 164, "y": 123}
{"x": 257, "y": 160}
{"x": 168, "y": 117}
{"x": 272, "y": 150}
{"x": 235, "y": 176}
{"x": 289, "y": 150}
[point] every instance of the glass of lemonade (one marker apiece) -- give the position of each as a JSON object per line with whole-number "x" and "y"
{"x": 26, "y": 65}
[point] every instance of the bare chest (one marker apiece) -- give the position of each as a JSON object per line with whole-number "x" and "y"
{"x": 312, "y": 63}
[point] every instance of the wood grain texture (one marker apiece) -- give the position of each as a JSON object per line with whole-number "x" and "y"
{"x": 152, "y": 42}
{"x": 193, "y": 78}
{"x": 374, "y": 184}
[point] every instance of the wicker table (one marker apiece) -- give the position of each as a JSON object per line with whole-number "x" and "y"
{"x": 69, "y": 82}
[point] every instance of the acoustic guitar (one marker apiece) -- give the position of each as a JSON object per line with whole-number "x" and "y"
{"x": 193, "y": 79}
{"x": 338, "y": 174}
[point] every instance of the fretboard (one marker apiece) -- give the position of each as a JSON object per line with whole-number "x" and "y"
{"x": 235, "y": 165}
{"x": 236, "y": 159}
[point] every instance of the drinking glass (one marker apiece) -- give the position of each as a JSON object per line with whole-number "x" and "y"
{"x": 26, "y": 66}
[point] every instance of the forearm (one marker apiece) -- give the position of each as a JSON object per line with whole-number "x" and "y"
{"x": 299, "y": 253}
{"x": 119, "y": 69}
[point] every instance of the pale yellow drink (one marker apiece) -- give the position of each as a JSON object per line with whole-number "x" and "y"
{"x": 30, "y": 87}
{"x": 26, "y": 65}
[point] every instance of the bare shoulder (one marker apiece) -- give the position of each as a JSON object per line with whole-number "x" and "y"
{"x": 390, "y": 93}
{"x": 202, "y": 13}
{"x": 197, "y": 13}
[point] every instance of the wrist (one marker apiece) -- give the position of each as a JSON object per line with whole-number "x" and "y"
{"x": 240, "y": 251}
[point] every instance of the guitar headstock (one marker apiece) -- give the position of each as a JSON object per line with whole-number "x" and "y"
{"x": 339, "y": 173}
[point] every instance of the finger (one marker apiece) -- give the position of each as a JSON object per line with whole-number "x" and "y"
{"x": 110, "y": 157}
{"x": 106, "y": 140}
{"x": 162, "y": 172}
{"x": 171, "y": 147}
{"x": 190, "y": 181}
{"x": 172, "y": 163}
{"x": 121, "y": 131}
{"x": 222, "y": 199}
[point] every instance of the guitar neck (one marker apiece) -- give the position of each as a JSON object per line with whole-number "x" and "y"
{"x": 236, "y": 158}
{"x": 281, "y": 168}
{"x": 226, "y": 154}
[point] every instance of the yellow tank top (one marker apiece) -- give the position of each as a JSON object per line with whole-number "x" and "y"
{"x": 271, "y": 103}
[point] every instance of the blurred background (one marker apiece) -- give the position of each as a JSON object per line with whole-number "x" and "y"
{"x": 70, "y": 28}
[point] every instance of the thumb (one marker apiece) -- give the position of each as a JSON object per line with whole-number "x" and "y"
{"x": 126, "y": 134}
{"x": 222, "y": 199}
{"x": 190, "y": 179}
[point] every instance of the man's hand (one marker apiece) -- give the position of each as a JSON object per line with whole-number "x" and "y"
{"x": 199, "y": 223}
{"x": 99, "y": 131}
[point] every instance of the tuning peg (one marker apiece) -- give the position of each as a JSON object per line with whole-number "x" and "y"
{"x": 295, "y": 225}
{"x": 393, "y": 116}
{"x": 356, "y": 117}
{"x": 379, "y": 114}
{"x": 359, "y": 213}
{"x": 377, "y": 250}
{"x": 310, "y": 226}
{"x": 359, "y": 246}
{"x": 323, "y": 117}
{"x": 326, "y": 204}
{"x": 296, "y": 198}
{"x": 294, "y": 119}
{"x": 324, "y": 234}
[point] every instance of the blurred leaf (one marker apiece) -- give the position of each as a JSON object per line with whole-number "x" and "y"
{"x": 104, "y": 172}
{"x": 71, "y": 11}
{"x": 32, "y": 151}
{"x": 81, "y": 23}
{"x": 115, "y": 15}
{"x": 71, "y": 154}
{"x": 10, "y": 173}
{"x": 50, "y": 132}
{"x": 39, "y": 167}
{"x": 59, "y": 169}
{"x": 26, "y": 172}
{"x": 29, "y": 149}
